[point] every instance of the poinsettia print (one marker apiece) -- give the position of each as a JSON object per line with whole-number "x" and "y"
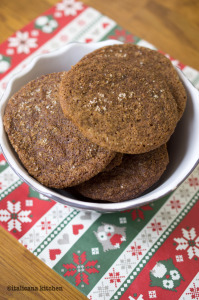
{"x": 193, "y": 181}
{"x": 14, "y": 216}
{"x": 22, "y": 42}
{"x": 114, "y": 277}
{"x": 189, "y": 242}
{"x": 136, "y": 250}
{"x": 81, "y": 268}
{"x": 69, "y": 7}
{"x": 175, "y": 204}
{"x": 156, "y": 226}
{"x": 46, "y": 24}
{"x": 193, "y": 292}
{"x": 46, "y": 225}
{"x": 138, "y": 213}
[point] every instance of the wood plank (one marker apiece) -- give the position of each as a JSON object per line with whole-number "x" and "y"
{"x": 173, "y": 26}
{"x": 19, "y": 267}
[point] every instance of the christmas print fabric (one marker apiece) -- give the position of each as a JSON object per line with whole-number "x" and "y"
{"x": 151, "y": 252}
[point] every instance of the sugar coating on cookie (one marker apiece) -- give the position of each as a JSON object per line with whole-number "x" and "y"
{"x": 48, "y": 144}
{"x": 130, "y": 179}
{"x": 124, "y": 97}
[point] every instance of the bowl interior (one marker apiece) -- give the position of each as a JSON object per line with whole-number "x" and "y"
{"x": 183, "y": 146}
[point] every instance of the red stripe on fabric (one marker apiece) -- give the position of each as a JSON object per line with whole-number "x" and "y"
{"x": 19, "y": 212}
{"x": 185, "y": 265}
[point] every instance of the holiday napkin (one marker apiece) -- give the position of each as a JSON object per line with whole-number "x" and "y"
{"x": 155, "y": 250}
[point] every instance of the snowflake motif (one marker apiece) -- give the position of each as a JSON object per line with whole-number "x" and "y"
{"x": 152, "y": 294}
{"x": 123, "y": 220}
{"x": 22, "y": 42}
{"x": 114, "y": 277}
{"x": 126, "y": 264}
{"x": 69, "y": 7}
{"x": 166, "y": 215}
{"x": 156, "y": 226}
{"x": 57, "y": 213}
{"x": 146, "y": 238}
{"x": 189, "y": 242}
{"x": 81, "y": 268}
{"x": 33, "y": 237}
{"x": 103, "y": 292}
{"x": 194, "y": 292}
{"x": 179, "y": 258}
{"x": 14, "y": 216}
{"x": 184, "y": 192}
{"x": 95, "y": 251}
{"x": 138, "y": 212}
{"x": 8, "y": 177}
{"x": 193, "y": 181}
{"x": 46, "y": 225}
{"x": 175, "y": 204}
{"x": 29, "y": 202}
{"x": 123, "y": 36}
{"x": 136, "y": 250}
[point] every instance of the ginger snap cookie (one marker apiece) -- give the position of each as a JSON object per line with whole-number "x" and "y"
{"x": 116, "y": 161}
{"x": 48, "y": 144}
{"x": 131, "y": 178}
{"x": 125, "y": 98}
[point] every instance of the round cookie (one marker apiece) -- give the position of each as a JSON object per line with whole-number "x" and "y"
{"x": 132, "y": 177}
{"x": 124, "y": 97}
{"x": 48, "y": 144}
{"x": 116, "y": 161}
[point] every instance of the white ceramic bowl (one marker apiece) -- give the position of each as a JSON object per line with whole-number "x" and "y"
{"x": 183, "y": 146}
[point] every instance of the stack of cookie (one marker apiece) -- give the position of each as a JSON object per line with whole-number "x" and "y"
{"x": 101, "y": 127}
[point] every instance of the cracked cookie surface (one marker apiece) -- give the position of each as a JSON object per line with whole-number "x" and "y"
{"x": 125, "y": 98}
{"x": 48, "y": 144}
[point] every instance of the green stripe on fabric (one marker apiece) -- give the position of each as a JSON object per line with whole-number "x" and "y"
{"x": 95, "y": 252}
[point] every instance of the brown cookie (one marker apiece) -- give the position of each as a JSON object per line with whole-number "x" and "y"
{"x": 124, "y": 97}
{"x": 48, "y": 144}
{"x": 131, "y": 178}
{"x": 116, "y": 161}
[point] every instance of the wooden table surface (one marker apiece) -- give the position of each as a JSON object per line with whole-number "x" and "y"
{"x": 172, "y": 26}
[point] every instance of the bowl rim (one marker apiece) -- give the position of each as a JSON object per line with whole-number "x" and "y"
{"x": 7, "y": 149}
